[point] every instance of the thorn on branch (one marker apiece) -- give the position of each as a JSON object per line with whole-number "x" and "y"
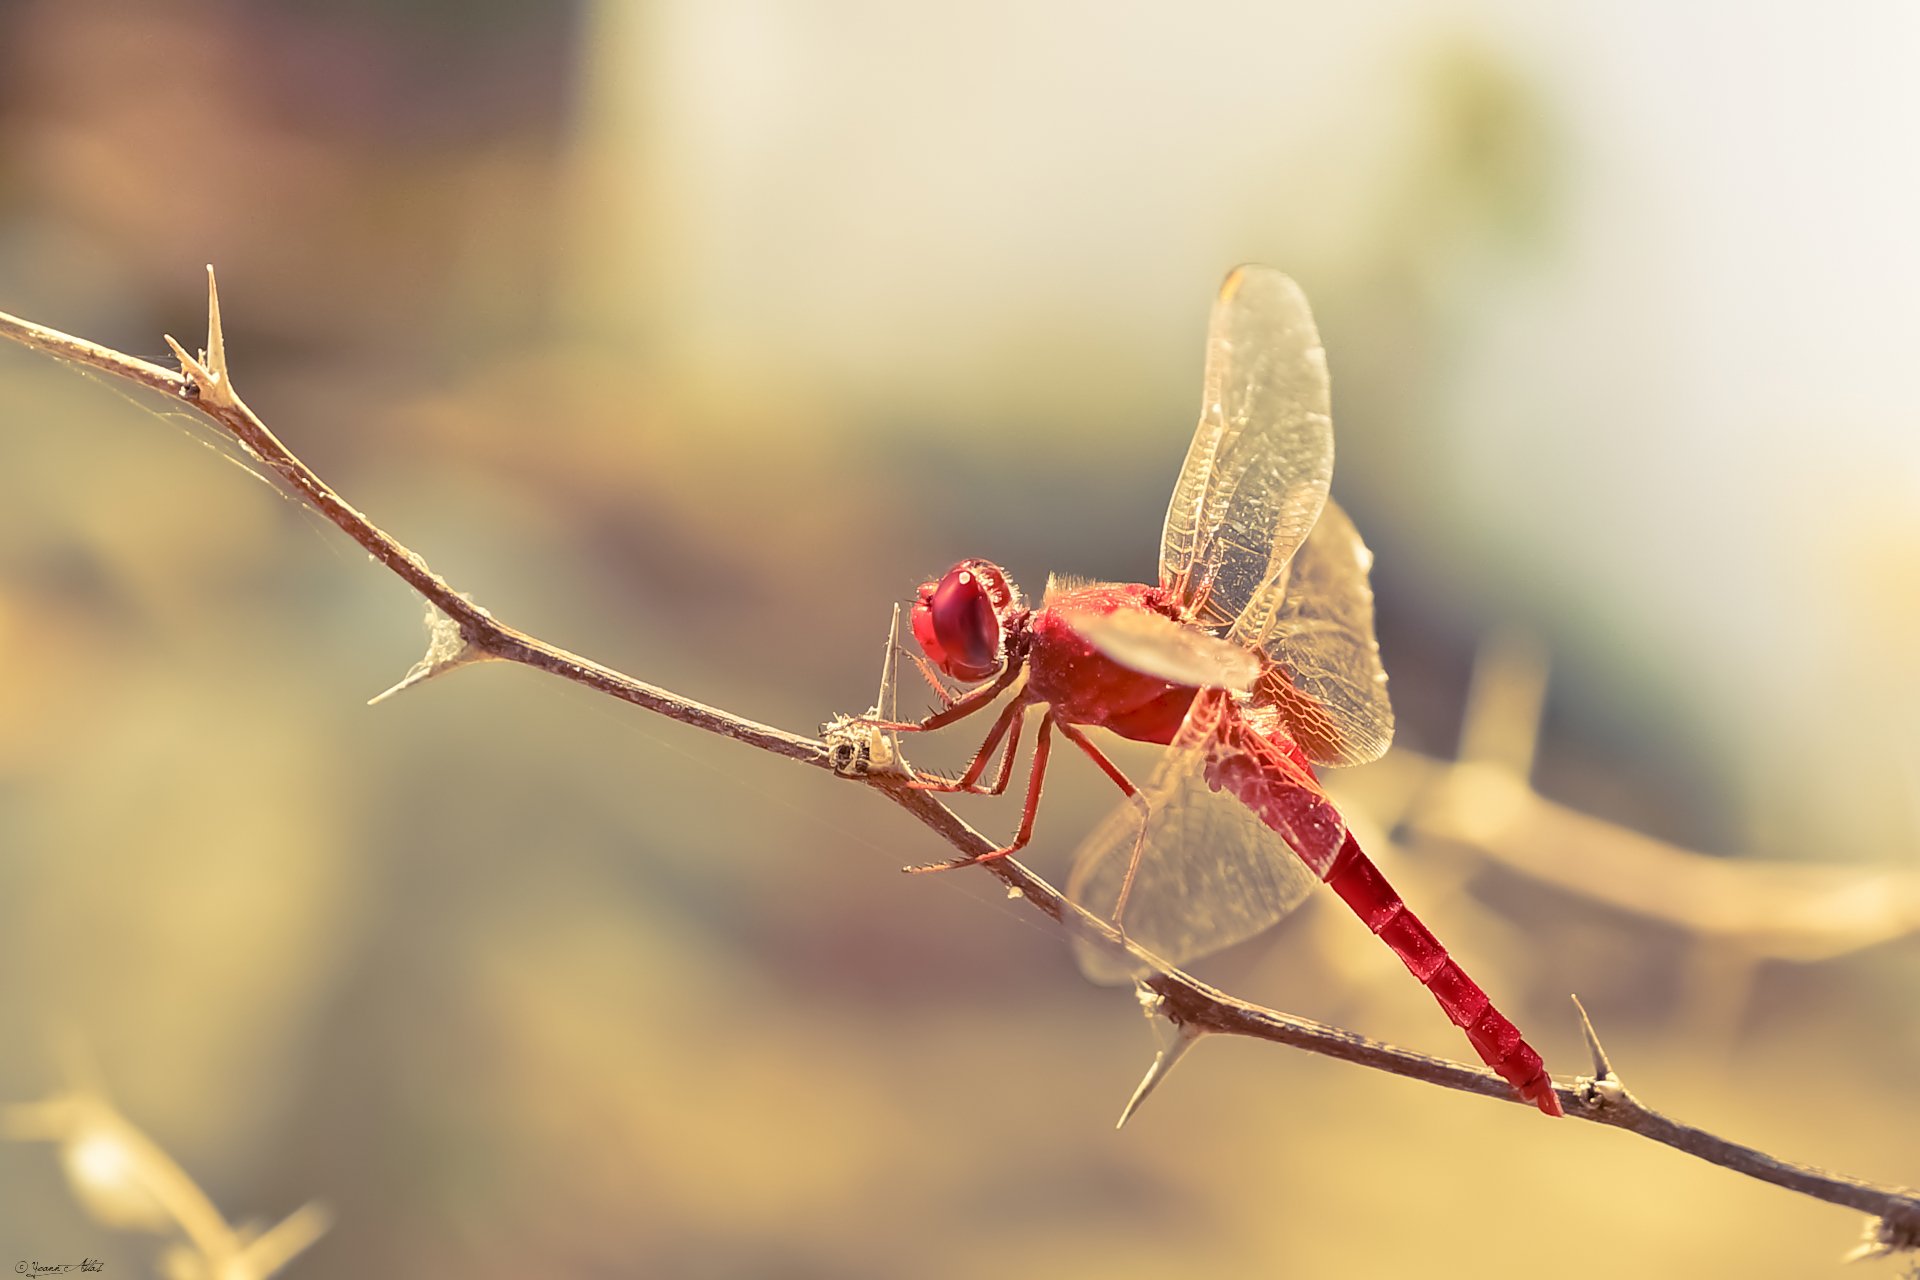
{"x": 199, "y": 379}
{"x": 1603, "y": 1086}
{"x": 216, "y": 336}
{"x": 1602, "y": 1065}
{"x": 1175, "y": 1040}
{"x": 447, "y": 647}
{"x": 857, "y": 748}
{"x": 1882, "y": 1237}
{"x": 209, "y": 381}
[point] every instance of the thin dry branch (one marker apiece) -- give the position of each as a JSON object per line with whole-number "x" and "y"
{"x": 127, "y": 1180}
{"x": 1192, "y": 1007}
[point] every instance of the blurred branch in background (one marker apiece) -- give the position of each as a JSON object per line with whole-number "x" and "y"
{"x": 472, "y": 634}
{"x": 124, "y": 1180}
{"x": 1798, "y": 912}
{"x": 1737, "y": 913}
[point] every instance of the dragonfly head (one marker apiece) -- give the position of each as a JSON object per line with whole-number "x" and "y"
{"x": 963, "y": 621}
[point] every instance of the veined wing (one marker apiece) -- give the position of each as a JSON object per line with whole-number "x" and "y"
{"x": 1156, "y": 645}
{"x": 1256, "y": 474}
{"x": 1316, "y": 622}
{"x": 1210, "y": 873}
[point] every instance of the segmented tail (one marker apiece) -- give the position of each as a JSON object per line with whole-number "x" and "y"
{"x": 1272, "y": 777}
{"x": 1499, "y": 1043}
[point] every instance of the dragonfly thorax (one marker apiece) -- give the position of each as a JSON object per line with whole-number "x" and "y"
{"x": 966, "y": 621}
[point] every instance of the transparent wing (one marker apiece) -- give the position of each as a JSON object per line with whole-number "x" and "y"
{"x": 1257, "y": 471}
{"x": 1316, "y": 622}
{"x": 1157, "y": 646}
{"x": 1210, "y": 873}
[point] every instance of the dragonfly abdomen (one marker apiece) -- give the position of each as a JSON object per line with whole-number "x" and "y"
{"x": 1499, "y": 1043}
{"x": 1268, "y": 774}
{"x": 1264, "y": 774}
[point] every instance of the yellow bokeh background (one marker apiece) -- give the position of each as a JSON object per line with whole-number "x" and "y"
{"x": 692, "y": 336}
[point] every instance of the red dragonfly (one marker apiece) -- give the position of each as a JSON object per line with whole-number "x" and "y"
{"x": 1252, "y": 661}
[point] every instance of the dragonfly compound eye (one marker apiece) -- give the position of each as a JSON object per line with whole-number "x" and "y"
{"x": 957, "y": 620}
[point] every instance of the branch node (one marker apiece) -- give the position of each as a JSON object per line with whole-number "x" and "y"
{"x": 857, "y": 748}
{"x": 1601, "y": 1091}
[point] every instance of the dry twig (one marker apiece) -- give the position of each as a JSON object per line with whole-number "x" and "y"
{"x": 1193, "y": 1008}
{"x": 127, "y": 1181}
{"x": 1484, "y": 803}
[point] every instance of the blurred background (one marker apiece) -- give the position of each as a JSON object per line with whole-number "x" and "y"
{"x": 693, "y": 335}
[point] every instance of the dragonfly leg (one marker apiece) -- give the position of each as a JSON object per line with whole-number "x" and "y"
{"x": 1042, "y": 745}
{"x": 958, "y": 709}
{"x": 969, "y": 782}
{"x": 1128, "y": 789}
{"x": 932, "y": 677}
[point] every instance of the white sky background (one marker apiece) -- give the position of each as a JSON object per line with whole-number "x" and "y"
{"x": 1686, "y": 435}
